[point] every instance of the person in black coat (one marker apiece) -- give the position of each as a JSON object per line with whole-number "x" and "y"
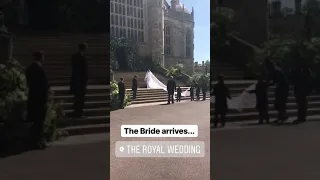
{"x": 192, "y": 93}
{"x": 198, "y": 91}
{"x": 221, "y": 93}
{"x": 171, "y": 88}
{"x": 302, "y": 88}
{"x": 179, "y": 91}
{"x": 79, "y": 80}
{"x": 134, "y": 87}
{"x": 279, "y": 79}
{"x": 37, "y": 99}
{"x": 122, "y": 92}
{"x": 204, "y": 92}
{"x": 262, "y": 102}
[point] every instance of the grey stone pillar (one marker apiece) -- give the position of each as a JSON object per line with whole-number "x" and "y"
{"x": 6, "y": 47}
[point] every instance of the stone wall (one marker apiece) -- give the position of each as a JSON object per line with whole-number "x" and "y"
{"x": 155, "y": 28}
{"x": 179, "y": 29}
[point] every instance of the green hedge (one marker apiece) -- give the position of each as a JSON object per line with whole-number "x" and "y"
{"x": 13, "y": 100}
{"x": 114, "y": 101}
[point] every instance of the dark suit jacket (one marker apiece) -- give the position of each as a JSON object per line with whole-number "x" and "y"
{"x": 134, "y": 84}
{"x": 221, "y": 93}
{"x": 37, "y": 84}
{"x": 79, "y": 77}
{"x": 122, "y": 88}
{"x": 171, "y": 86}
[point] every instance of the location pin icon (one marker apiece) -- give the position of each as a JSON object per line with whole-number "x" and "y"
{"x": 121, "y": 149}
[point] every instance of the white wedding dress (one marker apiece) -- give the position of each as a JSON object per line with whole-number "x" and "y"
{"x": 154, "y": 83}
{"x": 244, "y": 101}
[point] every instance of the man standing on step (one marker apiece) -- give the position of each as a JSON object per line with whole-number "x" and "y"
{"x": 171, "y": 88}
{"x": 37, "y": 99}
{"x": 79, "y": 80}
{"x": 122, "y": 92}
{"x": 302, "y": 88}
{"x": 134, "y": 87}
{"x": 221, "y": 93}
{"x": 279, "y": 79}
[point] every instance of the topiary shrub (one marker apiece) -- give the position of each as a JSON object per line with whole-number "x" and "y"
{"x": 114, "y": 100}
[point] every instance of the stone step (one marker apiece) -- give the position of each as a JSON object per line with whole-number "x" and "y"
{"x": 104, "y": 111}
{"x": 152, "y": 93}
{"x": 163, "y": 96}
{"x": 238, "y": 91}
{"x": 64, "y": 90}
{"x": 291, "y": 105}
{"x": 67, "y": 74}
{"x": 91, "y": 97}
{"x": 66, "y": 77}
{"x": 291, "y": 99}
{"x": 87, "y": 105}
{"x": 237, "y": 83}
{"x": 273, "y": 114}
{"x": 92, "y": 120}
{"x": 149, "y": 95}
{"x": 87, "y": 129}
{"x": 160, "y": 99}
{"x": 61, "y": 82}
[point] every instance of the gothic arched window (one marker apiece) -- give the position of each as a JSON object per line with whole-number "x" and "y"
{"x": 188, "y": 44}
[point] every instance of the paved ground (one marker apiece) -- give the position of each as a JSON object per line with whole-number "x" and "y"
{"x": 79, "y": 158}
{"x": 197, "y": 113}
{"x": 266, "y": 152}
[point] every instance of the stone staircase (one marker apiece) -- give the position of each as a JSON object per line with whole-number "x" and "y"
{"x": 128, "y": 76}
{"x": 226, "y": 69}
{"x": 145, "y": 95}
{"x": 58, "y": 51}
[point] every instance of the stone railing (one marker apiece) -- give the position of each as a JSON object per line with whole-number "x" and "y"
{"x": 183, "y": 78}
{"x": 242, "y": 53}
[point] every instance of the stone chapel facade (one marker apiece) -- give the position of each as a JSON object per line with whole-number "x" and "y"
{"x": 164, "y": 30}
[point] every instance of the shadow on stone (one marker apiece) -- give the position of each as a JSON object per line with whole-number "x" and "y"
{"x": 14, "y": 141}
{"x": 165, "y": 104}
{"x": 252, "y": 124}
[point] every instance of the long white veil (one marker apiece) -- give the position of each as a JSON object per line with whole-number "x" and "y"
{"x": 244, "y": 101}
{"x": 154, "y": 83}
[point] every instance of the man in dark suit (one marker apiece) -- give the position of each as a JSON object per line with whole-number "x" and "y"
{"x": 302, "y": 88}
{"x": 37, "y": 99}
{"x": 221, "y": 93}
{"x": 122, "y": 92}
{"x": 171, "y": 88}
{"x": 279, "y": 79}
{"x": 79, "y": 80}
{"x": 134, "y": 87}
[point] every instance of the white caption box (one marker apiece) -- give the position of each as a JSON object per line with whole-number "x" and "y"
{"x": 159, "y": 131}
